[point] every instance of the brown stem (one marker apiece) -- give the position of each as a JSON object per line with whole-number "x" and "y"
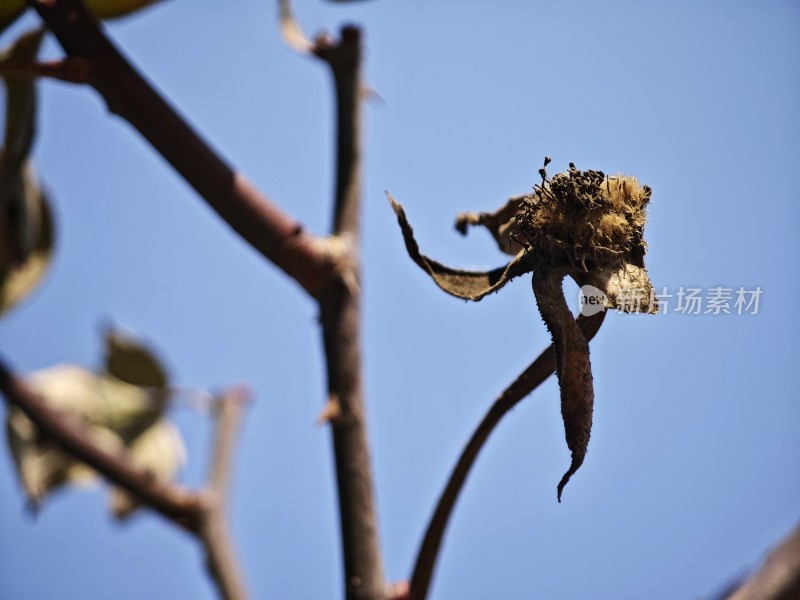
{"x": 263, "y": 225}
{"x": 168, "y": 498}
{"x": 340, "y": 309}
{"x": 539, "y": 370}
{"x": 214, "y": 532}
{"x": 779, "y": 576}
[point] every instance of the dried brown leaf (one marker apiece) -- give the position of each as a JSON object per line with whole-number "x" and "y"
{"x": 573, "y": 367}
{"x": 502, "y": 224}
{"x": 291, "y": 32}
{"x": 469, "y": 285}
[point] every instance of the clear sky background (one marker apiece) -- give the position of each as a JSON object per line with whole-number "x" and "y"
{"x": 692, "y": 470}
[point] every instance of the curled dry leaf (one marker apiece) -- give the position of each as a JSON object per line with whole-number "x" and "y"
{"x": 583, "y": 224}
{"x": 501, "y": 224}
{"x": 291, "y": 32}
{"x": 469, "y": 285}
{"x": 26, "y": 221}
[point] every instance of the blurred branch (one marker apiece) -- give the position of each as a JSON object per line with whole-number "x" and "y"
{"x": 779, "y": 576}
{"x": 340, "y": 310}
{"x": 202, "y": 513}
{"x": 539, "y": 370}
{"x": 327, "y": 269}
{"x": 269, "y": 230}
{"x": 228, "y": 422}
{"x": 221, "y": 559}
{"x": 168, "y": 498}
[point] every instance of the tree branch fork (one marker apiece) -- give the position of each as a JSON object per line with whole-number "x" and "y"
{"x": 326, "y": 267}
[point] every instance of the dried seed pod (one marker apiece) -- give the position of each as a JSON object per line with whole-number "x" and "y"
{"x": 579, "y": 223}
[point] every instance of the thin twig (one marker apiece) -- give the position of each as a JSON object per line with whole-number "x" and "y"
{"x": 539, "y": 370}
{"x": 228, "y": 420}
{"x": 168, "y": 498}
{"x": 221, "y": 559}
{"x": 340, "y": 310}
{"x": 263, "y": 225}
{"x": 72, "y": 70}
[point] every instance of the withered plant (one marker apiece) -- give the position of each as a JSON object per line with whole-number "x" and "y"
{"x": 69, "y": 424}
{"x": 581, "y": 224}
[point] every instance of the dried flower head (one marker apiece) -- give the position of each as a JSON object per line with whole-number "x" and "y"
{"x": 584, "y": 224}
{"x": 584, "y": 220}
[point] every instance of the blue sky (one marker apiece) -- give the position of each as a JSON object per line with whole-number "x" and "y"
{"x": 692, "y": 468}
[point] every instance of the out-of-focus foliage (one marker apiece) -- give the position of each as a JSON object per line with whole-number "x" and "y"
{"x": 10, "y": 10}
{"x": 26, "y": 221}
{"x": 122, "y": 407}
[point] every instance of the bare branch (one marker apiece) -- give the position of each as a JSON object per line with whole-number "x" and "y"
{"x": 539, "y": 370}
{"x": 340, "y": 308}
{"x": 228, "y": 420}
{"x": 344, "y": 59}
{"x": 168, "y": 498}
{"x": 221, "y": 559}
{"x": 263, "y": 225}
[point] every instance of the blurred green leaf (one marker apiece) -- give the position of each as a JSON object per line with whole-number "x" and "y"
{"x": 21, "y": 100}
{"x": 129, "y": 360}
{"x": 111, "y": 9}
{"x": 160, "y": 451}
{"x": 116, "y": 415}
{"x": 26, "y": 220}
{"x": 19, "y": 280}
{"x": 10, "y": 10}
{"x": 41, "y": 465}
